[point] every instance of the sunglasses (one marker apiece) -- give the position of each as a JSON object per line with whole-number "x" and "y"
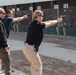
{"x": 2, "y": 12}
{"x": 42, "y": 15}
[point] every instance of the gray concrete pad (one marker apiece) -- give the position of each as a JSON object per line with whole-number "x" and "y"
{"x": 48, "y": 49}
{"x": 15, "y": 44}
{"x": 17, "y": 72}
{"x": 52, "y": 50}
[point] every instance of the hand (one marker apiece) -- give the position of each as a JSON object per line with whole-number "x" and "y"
{"x": 59, "y": 20}
{"x": 25, "y": 16}
{"x": 7, "y": 48}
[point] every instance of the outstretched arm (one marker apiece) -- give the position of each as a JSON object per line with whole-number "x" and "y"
{"x": 52, "y": 22}
{"x": 19, "y": 18}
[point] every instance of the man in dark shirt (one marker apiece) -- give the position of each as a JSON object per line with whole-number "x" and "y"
{"x": 3, "y": 45}
{"x": 7, "y": 23}
{"x": 8, "y": 19}
{"x": 34, "y": 39}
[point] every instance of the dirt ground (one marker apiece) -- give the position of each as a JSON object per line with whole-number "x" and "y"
{"x": 51, "y": 66}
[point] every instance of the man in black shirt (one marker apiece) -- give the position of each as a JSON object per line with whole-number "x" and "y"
{"x": 3, "y": 45}
{"x": 34, "y": 39}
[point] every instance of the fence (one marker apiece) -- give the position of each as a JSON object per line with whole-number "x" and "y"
{"x": 69, "y": 21}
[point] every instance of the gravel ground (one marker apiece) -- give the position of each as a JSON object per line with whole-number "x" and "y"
{"x": 51, "y": 66}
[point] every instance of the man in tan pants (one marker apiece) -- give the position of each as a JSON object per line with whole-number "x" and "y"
{"x": 34, "y": 39}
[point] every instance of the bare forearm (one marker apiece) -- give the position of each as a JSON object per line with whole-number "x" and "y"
{"x": 18, "y": 19}
{"x": 52, "y": 22}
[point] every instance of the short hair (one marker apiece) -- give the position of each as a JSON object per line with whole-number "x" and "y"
{"x": 2, "y": 10}
{"x": 8, "y": 11}
{"x": 36, "y": 13}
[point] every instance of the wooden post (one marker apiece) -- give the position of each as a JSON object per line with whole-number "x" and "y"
{"x": 57, "y": 28}
{"x": 64, "y": 31}
{"x": 17, "y": 26}
{"x": 15, "y": 11}
{"x": 14, "y": 26}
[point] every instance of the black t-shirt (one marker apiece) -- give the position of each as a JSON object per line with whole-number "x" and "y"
{"x": 35, "y": 33}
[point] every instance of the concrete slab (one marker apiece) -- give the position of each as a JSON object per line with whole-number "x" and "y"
{"x": 52, "y": 50}
{"x": 17, "y": 72}
{"x": 15, "y": 44}
{"x": 48, "y": 49}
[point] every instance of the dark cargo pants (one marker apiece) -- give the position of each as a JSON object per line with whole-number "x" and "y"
{"x": 5, "y": 60}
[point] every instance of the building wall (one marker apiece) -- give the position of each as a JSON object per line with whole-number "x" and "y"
{"x": 42, "y": 4}
{"x": 46, "y": 5}
{"x": 72, "y": 3}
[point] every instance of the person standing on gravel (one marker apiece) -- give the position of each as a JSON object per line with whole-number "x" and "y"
{"x": 3, "y": 45}
{"x": 34, "y": 39}
{"x": 8, "y": 19}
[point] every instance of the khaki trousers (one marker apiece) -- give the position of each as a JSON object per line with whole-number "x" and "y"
{"x": 33, "y": 58}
